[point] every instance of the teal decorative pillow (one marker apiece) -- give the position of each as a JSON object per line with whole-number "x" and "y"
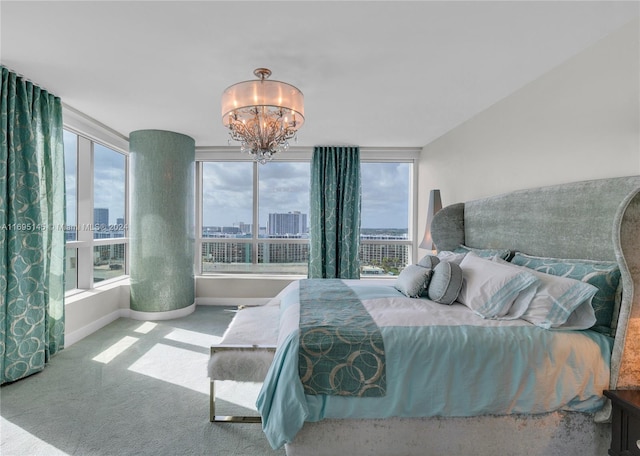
{"x": 446, "y": 282}
{"x": 484, "y": 253}
{"x": 413, "y": 281}
{"x": 604, "y": 275}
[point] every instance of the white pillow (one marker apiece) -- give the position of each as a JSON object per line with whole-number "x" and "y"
{"x": 490, "y": 288}
{"x": 559, "y": 302}
{"x": 451, "y": 257}
{"x": 521, "y": 303}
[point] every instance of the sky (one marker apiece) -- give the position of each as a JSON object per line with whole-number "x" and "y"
{"x": 108, "y": 179}
{"x": 70, "y": 171}
{"x": 284, "y": 187}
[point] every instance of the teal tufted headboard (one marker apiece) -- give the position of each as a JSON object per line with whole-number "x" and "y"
{"x": 596, "y": 220}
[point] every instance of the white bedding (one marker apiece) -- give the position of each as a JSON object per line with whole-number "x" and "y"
{"x": 442, "y": 361}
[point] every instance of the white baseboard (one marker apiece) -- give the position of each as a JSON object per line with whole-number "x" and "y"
{"x": 232, "y": 301}
{"x": 166, "y": 315}
{"x": 79, "y": 334}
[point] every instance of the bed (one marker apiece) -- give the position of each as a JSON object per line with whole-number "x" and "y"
{"x": 441, "y": 386}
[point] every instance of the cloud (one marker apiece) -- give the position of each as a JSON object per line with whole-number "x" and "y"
{"x": 385, "y": 195}
{"x": 109, "y": 181}
{"x": 227, "y": 193}
{"x": 284, "y": 187}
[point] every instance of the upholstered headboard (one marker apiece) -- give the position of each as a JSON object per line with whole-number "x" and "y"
{"x": 595, "y": 220}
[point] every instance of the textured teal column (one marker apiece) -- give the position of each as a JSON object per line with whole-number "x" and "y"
{"x": 161, "y": 225}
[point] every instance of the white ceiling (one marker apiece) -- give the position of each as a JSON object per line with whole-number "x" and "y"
{"x": 375, "y": 74}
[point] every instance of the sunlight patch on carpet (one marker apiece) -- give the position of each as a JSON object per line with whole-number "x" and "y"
{"x": 145, "y": 327}
{"x": 193, "y": 338}
{"x": 18, "y": 441}
{"x": 177, "y": 366}
{"x": 188, "y": 369}
{"x": 119, "y": 347}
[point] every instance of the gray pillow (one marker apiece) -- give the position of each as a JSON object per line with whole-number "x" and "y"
{"x": 429, "y": 261}
{"x": 413, "y": 281}
{"x": 445, "y": 283}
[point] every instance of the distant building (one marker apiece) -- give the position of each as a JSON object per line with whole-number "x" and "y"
{"x": 245, "y": 228}
{"x": 284, "y": 253}
{"x": 241, "y": 230}
{"x": 377, "y": 256}
{"x": 101, "y": 223}
{"x": 101, "y": 217}
{"x": 289, "y": 224}
{"x": 372, "y": 270}
{"x": 219, "y": 252}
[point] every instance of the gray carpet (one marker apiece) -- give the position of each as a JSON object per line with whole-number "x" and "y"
{"x": 131, "y": 388}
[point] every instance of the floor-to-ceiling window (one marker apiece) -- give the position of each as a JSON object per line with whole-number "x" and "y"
{"x": 96, "y": 208}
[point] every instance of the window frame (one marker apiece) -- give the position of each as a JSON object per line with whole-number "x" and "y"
{"x": 232, "y": 154}
{"x": 90, "y": 132}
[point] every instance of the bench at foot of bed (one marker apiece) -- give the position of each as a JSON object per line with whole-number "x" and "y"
{"x": 240, "y": 363}
{"x": 244, "y": 354}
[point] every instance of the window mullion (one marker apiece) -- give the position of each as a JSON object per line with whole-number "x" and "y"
{"x": 198, "y": 221}
{"x": 85, "y": 213}
{"x": 255, "y": 229}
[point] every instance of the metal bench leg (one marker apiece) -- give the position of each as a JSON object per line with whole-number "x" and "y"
{"x": 224, "y": 418}
{"x": 212, "y": 394}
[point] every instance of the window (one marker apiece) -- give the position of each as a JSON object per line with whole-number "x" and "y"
{"x": 109, "y": 178}
{"x": 283, "y": 202}
{"x": 255, "y": 218}
{"x": 96, "y": 229}
{"x": 385, "y": 242}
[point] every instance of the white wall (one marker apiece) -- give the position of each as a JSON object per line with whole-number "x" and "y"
{"x": 580, "y": 121}
{"x": 214, "y": 290}
{"x": 90, "y": 310}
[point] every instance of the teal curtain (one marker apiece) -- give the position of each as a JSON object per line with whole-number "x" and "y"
{"x": 334, "y": 219}
{"x": 32, "y": 218}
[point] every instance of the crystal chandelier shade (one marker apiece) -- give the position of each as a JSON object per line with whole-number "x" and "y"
{"x": 262, "y": 115}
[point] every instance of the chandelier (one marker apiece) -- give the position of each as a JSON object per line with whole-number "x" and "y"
{"x": 262, "y": 115}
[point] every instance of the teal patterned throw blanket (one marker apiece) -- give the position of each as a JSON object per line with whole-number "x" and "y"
{"x": 341, "y": 349}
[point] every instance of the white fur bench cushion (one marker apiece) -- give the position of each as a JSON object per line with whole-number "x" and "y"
{"x": 250, "y": 326}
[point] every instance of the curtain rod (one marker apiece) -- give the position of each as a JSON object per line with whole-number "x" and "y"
{"x": 25, "y": 78}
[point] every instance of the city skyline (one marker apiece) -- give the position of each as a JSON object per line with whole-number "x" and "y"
{"x": 245, "y": 228}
